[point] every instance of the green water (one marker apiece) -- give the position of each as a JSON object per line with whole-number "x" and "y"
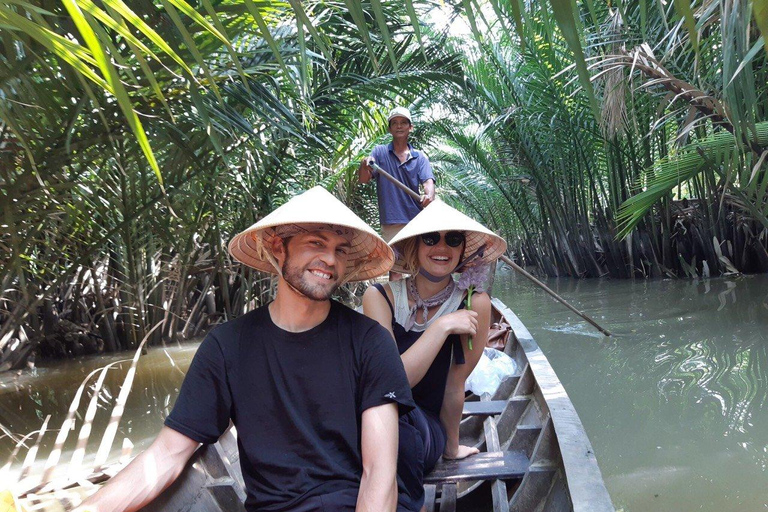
{"x": 674, "y": 403}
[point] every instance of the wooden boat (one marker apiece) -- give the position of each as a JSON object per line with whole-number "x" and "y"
{"x": 535, "y": 455}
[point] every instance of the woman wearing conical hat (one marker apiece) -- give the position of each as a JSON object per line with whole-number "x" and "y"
{"x": 428, "y": 317}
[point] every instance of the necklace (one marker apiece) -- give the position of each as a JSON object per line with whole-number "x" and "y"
{"x": 424, "y": 305}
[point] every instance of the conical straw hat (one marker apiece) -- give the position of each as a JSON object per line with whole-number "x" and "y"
{"x": 438, "y": 216}
{"x": 369, "y": 255}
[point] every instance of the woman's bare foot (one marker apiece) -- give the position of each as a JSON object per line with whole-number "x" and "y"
{"x": 461, "y": 453}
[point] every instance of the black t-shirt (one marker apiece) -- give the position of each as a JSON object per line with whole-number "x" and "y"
{"x": 296, "y": 399}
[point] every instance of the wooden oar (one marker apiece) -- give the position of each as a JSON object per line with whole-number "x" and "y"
{"x": 503, "y": 257}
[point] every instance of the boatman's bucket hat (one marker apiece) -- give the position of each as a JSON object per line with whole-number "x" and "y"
{"x": 482, "y": 245}
{"x": 314, "y": 210}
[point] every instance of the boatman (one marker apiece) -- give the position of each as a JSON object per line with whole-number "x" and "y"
{"x": 314, "y": 389}
{"x": 407, "y": 165}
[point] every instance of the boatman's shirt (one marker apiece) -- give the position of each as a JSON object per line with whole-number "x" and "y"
{"x": 296, "y": 399}
{"x": 395, "y": 206}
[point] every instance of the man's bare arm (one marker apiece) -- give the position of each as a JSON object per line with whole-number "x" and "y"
{"x": 365, "y": 171}
{"x": 429, "y": 193}
{"x": 146, "y": 476}
{"x": 378, "y": 487}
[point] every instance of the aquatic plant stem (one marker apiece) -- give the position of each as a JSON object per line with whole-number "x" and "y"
{"x": 470, "y": 291}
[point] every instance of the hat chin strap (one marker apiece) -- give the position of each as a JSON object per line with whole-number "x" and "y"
{"x": 279, "y": 272}
{"x": 274, "y": 262}
{"x": 431, "y": 277}
{"x": 352, "y": 274}
{"x": 436, "y": 279}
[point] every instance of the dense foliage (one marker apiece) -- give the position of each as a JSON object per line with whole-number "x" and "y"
{"x": 667, "y": 177}
{"x": 136, "y": 138}
{"x": 241, "y": 106}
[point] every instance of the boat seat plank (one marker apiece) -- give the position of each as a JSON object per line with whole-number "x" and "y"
{"x": 448, "y": 498}
{"x": 485, "y": 408}
{"x": 484, "y": 466}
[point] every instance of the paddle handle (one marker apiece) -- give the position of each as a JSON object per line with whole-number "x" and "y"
{"x": 503, "y": 257}
{"x": 544, "y": 287}
{"x": 395, "y": 181}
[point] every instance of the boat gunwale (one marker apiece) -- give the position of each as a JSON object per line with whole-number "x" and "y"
{"x": 582, "y": 473}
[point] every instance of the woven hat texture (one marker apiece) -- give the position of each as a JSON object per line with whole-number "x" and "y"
{"x": 369, "y": 255}
{"x": 438, "y": 216}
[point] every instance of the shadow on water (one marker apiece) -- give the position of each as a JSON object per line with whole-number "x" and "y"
{"x": 675, "y": 403}
{"x": 27, "y": 397}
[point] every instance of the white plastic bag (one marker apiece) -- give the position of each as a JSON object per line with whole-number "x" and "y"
{"x": 494, "y": 366}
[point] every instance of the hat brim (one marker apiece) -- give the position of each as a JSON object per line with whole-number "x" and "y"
{"x": 438, "y": 216}
{"x": 369, "y": 255}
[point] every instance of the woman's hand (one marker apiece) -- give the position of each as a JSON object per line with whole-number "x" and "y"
{"x": 463, "y": 321}
{"x": 461, "y": 453}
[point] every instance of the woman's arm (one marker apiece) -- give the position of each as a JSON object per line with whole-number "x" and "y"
{"x": 453, "y": 401}
{"x": 375, "y": 306}
{"x": 420, "y": 356}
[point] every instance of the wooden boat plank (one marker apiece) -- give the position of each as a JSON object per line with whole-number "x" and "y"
{"x": 511, "y": 416}
{"x": 532, "y": 490}
{"x": 499, "y": 496}
{"x": 527, "y": 382}
{"x": 484, "y": 466}
{"x": 498, "y": 487}
{"x": 448, "y": 498}
{"x": 484, "y": 408}
{"x": 558, "y": 499}
{"x": 507, "y": 387}
{"x": 546, "y": 449}
{"x": 524, "y": 438}
{"x": 585, "y": 483}
{"x": 491, "y": 435}
{"x": 430, "y": 492}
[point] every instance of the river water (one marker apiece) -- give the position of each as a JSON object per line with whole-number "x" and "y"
{"x": 674, "y": 403}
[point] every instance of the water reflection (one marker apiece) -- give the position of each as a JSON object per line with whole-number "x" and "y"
{"x": 675, "y": 403}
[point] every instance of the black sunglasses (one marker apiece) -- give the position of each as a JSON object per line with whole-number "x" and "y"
{"x": 452, "y": 238}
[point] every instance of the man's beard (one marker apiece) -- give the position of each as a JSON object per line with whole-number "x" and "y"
{"x": 294, "y": 276}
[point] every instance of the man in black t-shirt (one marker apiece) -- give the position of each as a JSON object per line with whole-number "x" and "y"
{"x": 314, "y": 389}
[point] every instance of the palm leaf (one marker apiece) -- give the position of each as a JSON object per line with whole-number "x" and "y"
{"x": 672, "y": 172}
{"x": 381, "y": 20}
{"x": 566, "y": 17}
{"x": 110, "y": 73}
{"x": 760, "y": 10}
